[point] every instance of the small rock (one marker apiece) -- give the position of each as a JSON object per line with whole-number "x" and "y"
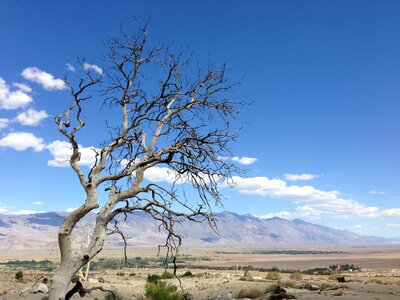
{"x": 100, "y": 279}
{"x": 311, "y": 287}
{"x": 42, "y": 288}
{"x": 227, "y": 296}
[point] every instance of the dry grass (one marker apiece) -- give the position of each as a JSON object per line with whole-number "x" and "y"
{"x": 270, "y": 288}
{"x": 250, "y": 293}
{"x": 272, "y": 276}
{"x": 296, "y": 276}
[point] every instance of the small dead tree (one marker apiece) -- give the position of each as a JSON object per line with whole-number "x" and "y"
{"x": 171, "y": 116}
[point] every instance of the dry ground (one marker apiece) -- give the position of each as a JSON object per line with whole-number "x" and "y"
{"x": 379, "y": 279}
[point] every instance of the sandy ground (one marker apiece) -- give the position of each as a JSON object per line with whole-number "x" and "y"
{"x": 379, "y": 279}
{"x": 213, "y": 284}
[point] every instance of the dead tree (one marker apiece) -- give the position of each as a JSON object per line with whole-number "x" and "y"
{"x": 171, "y": 115}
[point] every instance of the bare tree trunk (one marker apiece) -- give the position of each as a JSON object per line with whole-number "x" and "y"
{"x": 61, "y": 280}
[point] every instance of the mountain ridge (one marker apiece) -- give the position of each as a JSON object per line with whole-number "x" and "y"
{"x": 39, "y": 231}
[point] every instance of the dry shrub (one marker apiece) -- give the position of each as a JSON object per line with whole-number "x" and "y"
{"x": 250, "y": 293}
{"x": 272, "y": 276}
{"x": 271, "y": 288}
{"x": 296, "y": 276}
{"x": 291, "y": 284}
{"x": 333, "y": 276}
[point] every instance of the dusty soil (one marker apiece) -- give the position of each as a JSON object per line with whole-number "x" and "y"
{"x": 379, "y": 278}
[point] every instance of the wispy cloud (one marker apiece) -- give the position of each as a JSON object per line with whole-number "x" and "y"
{"x": 4, "y": 123}
{"x": 37, "y": 203}
{"x": 13, "y": 99}
{"x": 70, "y": 67}
{"x": 393, "y": 225}
{"x": 25, "y": 212}
{"x": 244, "y": 160}
{"x": 299, "y": 177}
{"x": 46, "y": 80}
{"x": 31, "y": 117}
{"x": 21, "y": 141}
{"x": 23, "y": 87}
{"x": 377, "y": 192}
{"x": 89, "y": 67}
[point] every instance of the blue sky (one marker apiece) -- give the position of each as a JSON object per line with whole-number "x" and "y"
{"x": 322, "y": 76}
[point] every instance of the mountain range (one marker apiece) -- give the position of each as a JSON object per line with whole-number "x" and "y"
{"x": 39, "y": 231}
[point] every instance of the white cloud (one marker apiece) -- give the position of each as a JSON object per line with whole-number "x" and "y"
{"x": 311, "y": 202}
{"x": 393, "y": 225}
{"x": 244, "y": 160}
{"x": 13, "y": 99}
{"x": 282, "y": 214}
{"x": 4, "y": 123}
{"x": 377, "y": 192}
{"x": 299, "y": 177}
{"x": 37, "y": 203}
{"x": 89, "y": 67}
{"x": 71, "y": 209}
{"x": 3, "y": 208}
{"x": 46, "y": 80}
{"x": 70, "y": 67}
{"x": 23, "y": 87}
{"x": 25, "y": 212}
{"x": 62, "y": 151}
{"x": 21, "y": 141}
{"x": 159, "y": 174}
{"x": 31, "y": 117}
{"x": 392, "y": 212}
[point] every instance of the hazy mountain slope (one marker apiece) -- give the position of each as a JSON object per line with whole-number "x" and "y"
{"x": 39, "y": 231}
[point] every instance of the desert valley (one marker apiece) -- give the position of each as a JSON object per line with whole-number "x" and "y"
{"x": 249, "y": 259}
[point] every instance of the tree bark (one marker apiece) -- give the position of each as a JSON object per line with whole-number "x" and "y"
{"x": 62, "y": 278}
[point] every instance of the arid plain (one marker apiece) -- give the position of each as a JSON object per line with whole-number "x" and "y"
{"x": 222, "y": 273}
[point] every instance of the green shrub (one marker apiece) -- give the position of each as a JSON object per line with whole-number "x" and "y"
{"x": 153, "y": 278}
{"x": 187, "y": 274}
{"x": 167, "y": 275}
{"x": 296, "y": 276}
{"x": 162, "y": 291}
{"x": 272, "y": 276}
{"x": 249, "y": 293}
{"x": 275, "y": 269}
{"x": 19, "y": 275}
